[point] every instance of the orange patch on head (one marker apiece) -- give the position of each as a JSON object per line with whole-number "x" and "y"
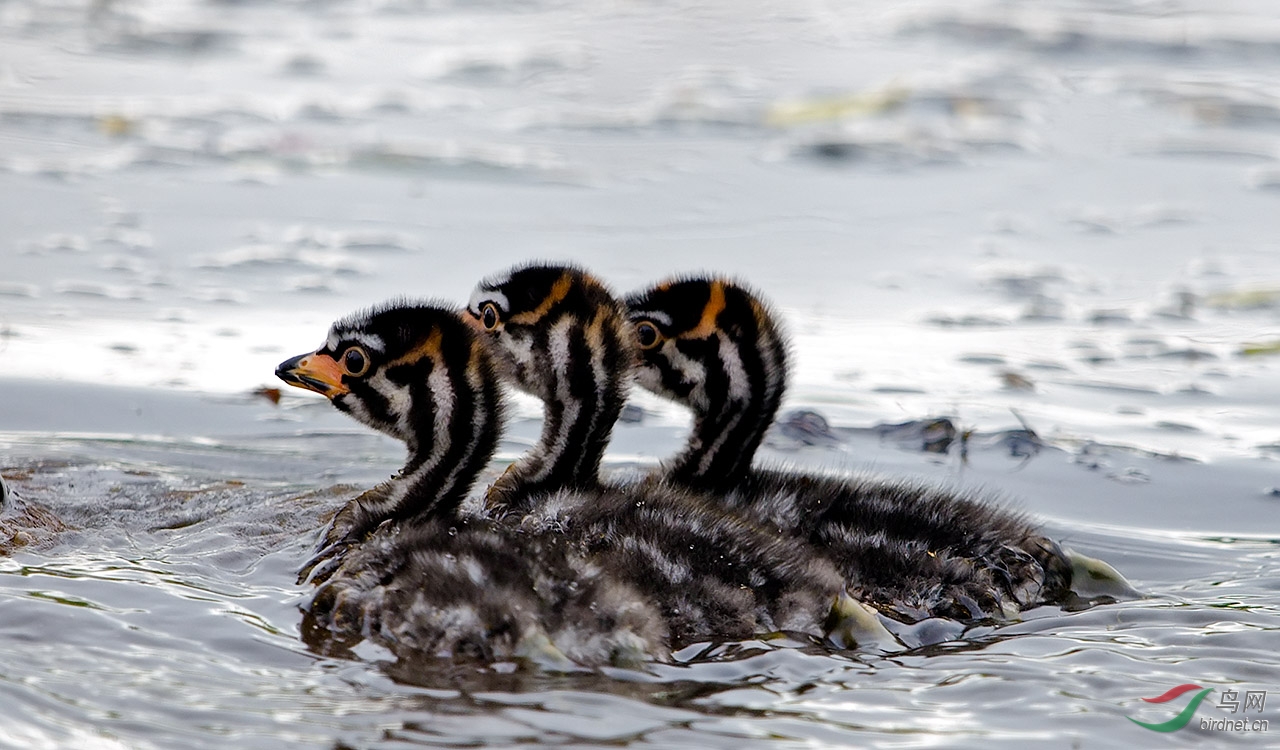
{"x": 715, "y": 305}
{"x": 429, "y": 347}
{"x": 559, "y": 291}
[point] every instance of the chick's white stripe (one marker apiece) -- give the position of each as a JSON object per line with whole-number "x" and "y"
{"x": 600, "y": 367}
{"x": 739, "y": 397}
{"x": 692, "y": 371}
{"x": 773, "y": 359}
{"x": 481, "y": 425}
{"x": 674, "y": 572}
{"x": 463, "y": 469}
{"x": 398, "y": 404}
{"x": 657, "y": 316}
{"x": 552, "y": 455}
{"x": 560, "y": 362}
{"x": 519, "y": 349}
{"x": 558, "y": 348}
{"x": 483, "y": 294}
{"x": 602, "y": 377}
{"x": 709, "y": 457}
{"x": 502, "y": 278}
{"x": 359, "y": 412}
{"x": 371, "y": 341}
{"x": 734, "y": 369}
{"x": 443, "y": 400}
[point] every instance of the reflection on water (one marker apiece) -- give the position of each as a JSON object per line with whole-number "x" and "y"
{"x": 1039, "y": 241}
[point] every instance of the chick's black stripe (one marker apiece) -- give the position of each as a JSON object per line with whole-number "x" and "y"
{"x": 742, "y": 426}
{"x": 376, "y": 404}
{"x": 461, "y": 459}
{"x": 582, "y": 439}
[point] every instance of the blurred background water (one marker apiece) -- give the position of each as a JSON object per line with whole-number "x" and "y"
{"x": 1061, "y": 216}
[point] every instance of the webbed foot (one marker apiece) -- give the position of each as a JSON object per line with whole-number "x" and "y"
{"x": 853, "y": 624}
{"x": 323, "y": 563}
{"x": 536, "y": 648}
{"x": 1092, "y": 578}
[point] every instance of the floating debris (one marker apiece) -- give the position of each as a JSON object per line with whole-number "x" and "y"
{"x": 807, "y": 427}
{"x": 1261, "y": 350}
{"x": 929, "y": 435}
{"x": 117, "y": 126}
{"x": 1245, "y": 299}
{"x": 837, "y": 107}
{"x": 1022, "y": 443}
{"x": 1013, "y": 381}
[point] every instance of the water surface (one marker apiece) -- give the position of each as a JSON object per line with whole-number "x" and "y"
{"x": 1060, "y": 218}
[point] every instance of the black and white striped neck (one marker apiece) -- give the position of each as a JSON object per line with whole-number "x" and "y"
{"x": 714, "y": 347}
{"x": 558, "y": 334}
{"x": 455, "y": 420}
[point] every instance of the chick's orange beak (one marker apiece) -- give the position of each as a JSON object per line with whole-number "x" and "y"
{"x": 315, "y": 372}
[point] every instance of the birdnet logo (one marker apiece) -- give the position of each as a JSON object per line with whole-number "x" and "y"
{"x": 1254, "y": 700}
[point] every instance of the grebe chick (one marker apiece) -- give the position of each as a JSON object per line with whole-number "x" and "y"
{"x": 911, "y": 549}
{"x": 600, "y": 576}
{"x": 558, "y": 332}
{"x": 424, "y": 580}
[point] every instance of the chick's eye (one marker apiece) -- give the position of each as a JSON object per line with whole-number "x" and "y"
{"x": 355, "y": 361}
{"x": 647, "y": 335}
{"x": 489, "y": 316}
